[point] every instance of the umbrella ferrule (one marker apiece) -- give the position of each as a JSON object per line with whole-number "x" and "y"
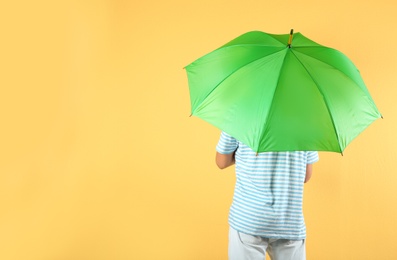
{"x": 290, "y": 38}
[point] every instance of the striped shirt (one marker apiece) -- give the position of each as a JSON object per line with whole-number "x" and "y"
{"x": 268, "y": 195}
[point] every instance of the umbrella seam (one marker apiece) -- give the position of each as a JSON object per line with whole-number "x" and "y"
{"x": 198, "y": 106}
{"x": 227, "y": 47}
{"x": 367, "y": 93}
{"x": 236, "y": 45}
{"x": 326, "y": 102}
{"x": 357, "y": 85}
{"x": 274, "y": 94}
{"x": 249, "y": 44}
{"x": 256, "y": 31}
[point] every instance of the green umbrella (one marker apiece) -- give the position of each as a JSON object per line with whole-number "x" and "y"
{"x": 281, "y": 93}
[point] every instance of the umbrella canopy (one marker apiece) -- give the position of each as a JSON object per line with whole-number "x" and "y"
{"x": 281, "y": 93}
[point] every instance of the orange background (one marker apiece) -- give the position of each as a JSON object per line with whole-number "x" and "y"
{"x": 100, "y": 160}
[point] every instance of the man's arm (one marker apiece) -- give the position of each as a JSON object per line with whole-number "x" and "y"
{"x": 309, "y": 171}
{"x": 224, "y": 160}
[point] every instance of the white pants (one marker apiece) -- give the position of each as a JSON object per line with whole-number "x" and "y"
{"x": 247, "y": 247}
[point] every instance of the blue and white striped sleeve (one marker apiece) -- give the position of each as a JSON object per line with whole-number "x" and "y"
{"x": 312, "y": 157}
{"x": 227, "y": 144}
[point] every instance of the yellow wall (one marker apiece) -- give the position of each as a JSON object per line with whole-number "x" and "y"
{"x": 100, "y": 160}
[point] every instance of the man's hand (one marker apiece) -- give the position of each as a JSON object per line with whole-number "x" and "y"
{"x": 309, "y": 171}
{"x": 224, "y": 160}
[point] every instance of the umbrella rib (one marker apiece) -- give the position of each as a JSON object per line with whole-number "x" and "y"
{"x": 250, "y": 44}
{"x": 239, "y": 45}
{"x": 274, "y": 94}
{"x": 319, "y": 89}
{"x": 209, "y": 93}
{"x": 332, "y": 65}
{"x": 368, "y": 95}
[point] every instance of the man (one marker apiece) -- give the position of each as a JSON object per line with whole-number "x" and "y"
{"x": 266, "y": 212}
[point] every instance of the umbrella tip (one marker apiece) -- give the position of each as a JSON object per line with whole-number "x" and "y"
{"x": 290, "y": 38}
